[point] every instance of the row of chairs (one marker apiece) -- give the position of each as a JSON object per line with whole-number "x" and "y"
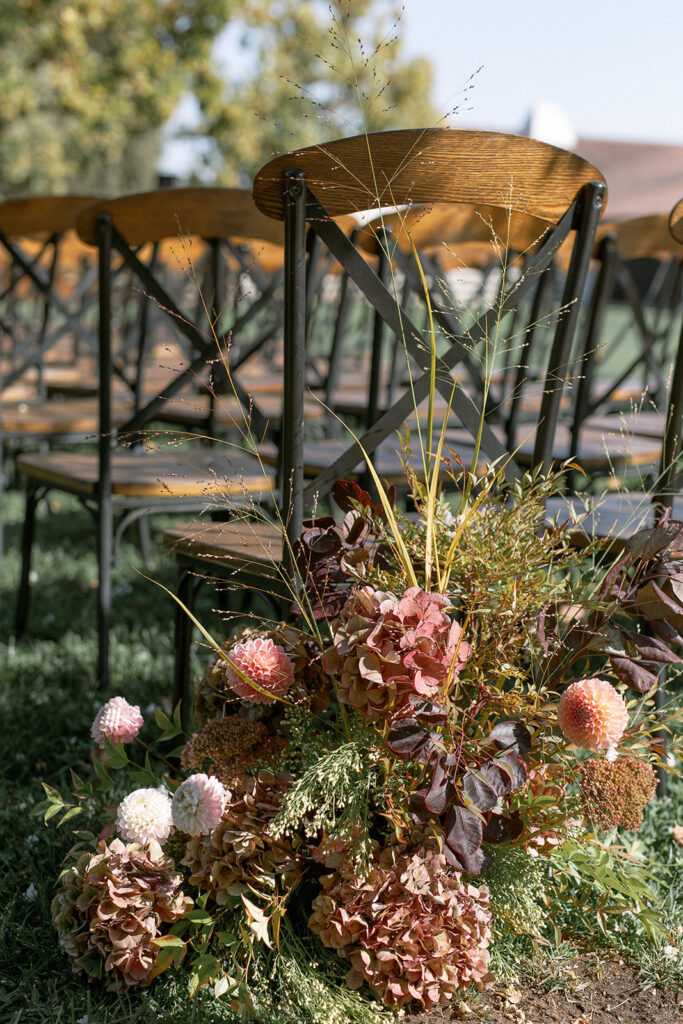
{"x": 287, "y": 265}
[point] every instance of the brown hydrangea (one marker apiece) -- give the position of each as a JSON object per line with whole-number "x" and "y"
{"x": 616, "y": 792}
{"x": 240, "y": 850}
{"x": 227, "y": 747}
{"x": 386, "y": 648}
{"x": 110, "y": 906}
{"x": 410, "y": 929}
{"x": 216, "y": 698}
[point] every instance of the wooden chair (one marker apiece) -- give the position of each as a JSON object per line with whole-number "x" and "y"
{"x": 136, "y": 482}
{"x": 307, "y": 190}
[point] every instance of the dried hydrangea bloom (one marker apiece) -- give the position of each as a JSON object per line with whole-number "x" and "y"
{"x": 145, "y": 816}
{"x": 616, "y": 792}
{"x": 592, "y": 714}
{"x": 386, "y": 648}
{"x": 111, "y": 905}
{"x": 215, "y": 697}
{"x": 116, "y": 720}
{"x": 197, "y": 804}
{"x": 411, "y": 929}
{"x": 227, "y": 747}
{"x": 240, "y": 849}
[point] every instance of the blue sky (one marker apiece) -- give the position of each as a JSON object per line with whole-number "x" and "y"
{"x": 614, "y": 66}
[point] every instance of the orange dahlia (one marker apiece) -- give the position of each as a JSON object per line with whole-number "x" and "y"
{"x": 592, "y": 714}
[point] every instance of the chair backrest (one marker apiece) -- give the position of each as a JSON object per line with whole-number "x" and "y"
{"x": 650, "y": 315}
{"x": 309, "y": 187}
{"x": 671, "y": 470}
{"x": 119, "y": 227}
{"x": 47, "y": 291}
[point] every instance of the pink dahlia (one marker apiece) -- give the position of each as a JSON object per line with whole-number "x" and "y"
{"x": 198, "y": 804}
{"x": 386, "y": 648}
{"x": 116, "y": 720}
{"x": 592, "y": 714}
{"x": 264, "y": 662}
{"x": 411, "y": 928}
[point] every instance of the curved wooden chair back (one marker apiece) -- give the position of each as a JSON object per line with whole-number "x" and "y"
{"x": 172, "y": 213}
{"x": 435, "y": 165}
{"x": 676, "y": 222}
{"x": 308, "y": 188}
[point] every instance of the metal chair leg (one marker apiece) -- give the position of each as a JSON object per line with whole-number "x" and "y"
{"x": 104, "y": 552}
{"x": 27, "y": 534}
{"x": 188, "y": 588}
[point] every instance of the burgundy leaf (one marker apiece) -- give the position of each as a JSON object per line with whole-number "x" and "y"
{"x": 347, "y": 495}
{"x": 633, "y": 673}
{"x": 476, "y": 863}
{"x": 654, "y": 603}
{"x": 464, "y": 831}
{"x": 417, "y": 808}
{"x": 440, "y": 794}
{"x": 410, "y": 740}
{"x": 502, "y": 828}
{"x": 647, "y": 543}
{"x": 480, "y": 793}
{"x": 666, "y": 632}
{"x": 650, "y": 648}
{"x": 513, "y": 767}
{"x": 512, "y": 736}
{"x": 427, "y": 710}
{"x": 498, "y": 780}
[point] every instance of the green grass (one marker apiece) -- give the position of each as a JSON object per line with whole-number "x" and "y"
{"x": 47, "y": 703}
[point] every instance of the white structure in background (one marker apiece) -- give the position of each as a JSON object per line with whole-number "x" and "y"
{"x": 548, "y": 123}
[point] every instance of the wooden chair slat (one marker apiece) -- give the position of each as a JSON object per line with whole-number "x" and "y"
{"x": 43, "y": 216}
{"x": 431, "y": 166}
{"x": 182, "y": 212}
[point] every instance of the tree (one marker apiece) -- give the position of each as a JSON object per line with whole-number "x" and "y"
{"x": 87, "y": 85}
{"x": 318, "y": 70}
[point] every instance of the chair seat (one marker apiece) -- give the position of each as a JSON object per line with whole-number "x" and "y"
{"x": 193, "y": 410}
{"x": 616, "y": 517}
{"x": 150, "y": 474}
{"x": 647, "y": 423}
{"x": 78, "y": 416}
{"x": 235, "y": 545}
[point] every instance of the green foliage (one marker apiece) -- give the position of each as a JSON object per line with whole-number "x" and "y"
{"x": 333, "y": 797}
{"x": 516, "y": 884}
{"x": 87, "y": 86}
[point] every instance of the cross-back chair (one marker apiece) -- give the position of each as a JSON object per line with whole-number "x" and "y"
{"x": 133, "y": 481}
{"x": 651, "y": 318}
{"x": 307, "y": 190}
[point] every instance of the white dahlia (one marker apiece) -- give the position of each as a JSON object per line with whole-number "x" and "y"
{"x": 198, "y": 804}
{"x": 145, "y": 815}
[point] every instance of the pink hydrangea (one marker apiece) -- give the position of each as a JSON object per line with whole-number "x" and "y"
{"x": 386, "y": 648}
{"x": 264, "y": 662}
{"x": 410, "y": 929}
{"x": 198, "y": 804}
{"x": 116, "y": 720}
{"x": 592, "y": 714}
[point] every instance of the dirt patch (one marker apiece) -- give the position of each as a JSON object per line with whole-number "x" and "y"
{"x": 587, "y": 992}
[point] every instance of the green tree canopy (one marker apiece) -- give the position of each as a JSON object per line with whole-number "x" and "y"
{"x": 87, "y": 85}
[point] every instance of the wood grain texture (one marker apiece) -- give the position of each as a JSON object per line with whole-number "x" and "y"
{"x": 676, "y": 222}
{"x": 44, "y": 216}
{"x": 153, "y": 474}
{"x": 237, "y": 544}
{"x": 641, "y": 237}
{"x": 178, "y": 212}
{"x": 431, "y": 166}
{"x": 79, "y": 416}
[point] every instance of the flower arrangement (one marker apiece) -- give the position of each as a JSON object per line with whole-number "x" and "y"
{"x": 438, "y": 756}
